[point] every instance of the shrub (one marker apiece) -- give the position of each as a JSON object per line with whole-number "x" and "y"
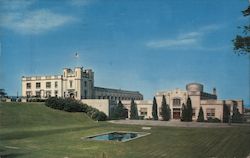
{"x": 99, "y": 116}
{"x": 72, "y": 105}
{"x": 201, "y": 115}
{"x": 213, "y": 120}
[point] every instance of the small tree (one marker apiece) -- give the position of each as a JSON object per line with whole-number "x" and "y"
{"x": 201, "y": 115}
{"x": 133, "y": 111}
{"x": 119, "y": 111}
{"x": 189, "y": 110}
{"x": 183, "y": 112}
{"x": 165, "y": 110}
{"x": 236, "y": 117}
{"x": 226, "y": 114}
{"x": 154, "y": 110}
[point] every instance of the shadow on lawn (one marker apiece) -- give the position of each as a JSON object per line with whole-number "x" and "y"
{"x": 28, "y": 134}
{"x": 11, "y": 155}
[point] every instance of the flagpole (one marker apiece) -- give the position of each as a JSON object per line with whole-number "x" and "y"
{"x": 77, "y": 59}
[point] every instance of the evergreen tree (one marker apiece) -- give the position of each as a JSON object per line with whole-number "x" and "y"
{"x": 226, "y": 113}
{"x": 165, "y": 110}
{"x": 154, "y": 110}
{"x": 184, "y": 112}
{"x": 236, "y": 117}
{"x": 201, "y": 115}
{"x": 189, "y": 110}
{"x": 119, "y": 112}
{"x": 133, "y": 111}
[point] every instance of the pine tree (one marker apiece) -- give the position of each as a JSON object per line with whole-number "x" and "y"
{"x": 133, "y": 111}
{"x": 201, "y": 115}
{"x": 183, "y": 112}
{"x": 236, "y": 117}
{"x": 189, "y": 110}
{"x": 226, "y": 114}
{"x": 154, "y": 110}
{"x": 119, "y": 112}
{"x": 165, "y": 110}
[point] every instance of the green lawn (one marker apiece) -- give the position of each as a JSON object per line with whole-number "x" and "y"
{"x": 34, "y": 130}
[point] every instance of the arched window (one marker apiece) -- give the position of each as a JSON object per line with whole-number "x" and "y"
{"x": 176, "y": 102}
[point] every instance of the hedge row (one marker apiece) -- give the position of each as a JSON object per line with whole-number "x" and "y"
{"x": 72, "y": 105}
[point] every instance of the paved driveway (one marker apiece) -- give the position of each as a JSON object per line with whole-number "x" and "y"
{"x": 175, "y": 123}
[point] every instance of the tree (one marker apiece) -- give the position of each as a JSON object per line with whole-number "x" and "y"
{"x": 189, "y": 110}
{"x": 119, "y": 112}
{"x": 226, "y": 113}
{"x": 165, "y": 110}
{"x": 154, "y": 110}
{"x": 201, "y": 115}
{"x": 242, "y": 42}
{"x": 236, "y": 117}
{"x": 2, "y": 93}
{"x": 133, "y": 111}
{"x": 184, "y": 112}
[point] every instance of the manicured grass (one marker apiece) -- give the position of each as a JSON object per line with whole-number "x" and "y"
{"x": 34, "y": 130}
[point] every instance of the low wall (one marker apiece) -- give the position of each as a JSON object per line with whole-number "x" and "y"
{"x": 100, "y": 104}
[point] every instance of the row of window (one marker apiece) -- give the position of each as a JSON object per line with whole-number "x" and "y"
{"x": 38, "y": 94}
{"x": 118, "y": 98}
{"x": 210, "y": 112}
{"x": 38, "y": 85}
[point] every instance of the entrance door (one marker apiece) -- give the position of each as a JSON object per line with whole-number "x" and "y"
{"x": 176, "y": 113}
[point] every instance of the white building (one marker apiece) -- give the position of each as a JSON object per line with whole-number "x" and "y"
{"x": 212, "y": 107}
{"x": 79, "y": 84}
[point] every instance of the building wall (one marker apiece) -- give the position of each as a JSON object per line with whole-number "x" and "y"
{"x": 144, "y": 107}
{"x": 100, "y": 104}
{"x": 170, "y": 96}
{"x": 43, "y": 89}
{"x": 208, "y": 105}
{"x": 78, "y": 84}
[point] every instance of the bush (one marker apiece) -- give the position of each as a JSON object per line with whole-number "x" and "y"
{"x": 72, "y": 105}
{"x": 213, "y": 120}
{"x": 99, "y": 116}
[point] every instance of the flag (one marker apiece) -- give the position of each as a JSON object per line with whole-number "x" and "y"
{"x": 77, "y": 55}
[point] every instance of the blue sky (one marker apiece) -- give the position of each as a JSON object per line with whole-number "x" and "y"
{"x": 144, "y": 45}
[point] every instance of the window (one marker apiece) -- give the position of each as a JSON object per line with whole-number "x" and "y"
{"x": 144, "y": 111}
{"x": 38, "y": 93}
{"x": 48, "y": 94}
{"x": 70, "y": 83}
{"x": 176, "y": 102}
{"x": 210, "y": 112}
{"x": 85, "y": 94}
{"x": 193, "y": 112}
{"x": 56, "y": 84}
{"x": 48, "y": 84}
{"x": 38, "y": 85}
{"x": 28, "y": 85}
{"x": 28, "y": 94}
{"x": 85, "y": 83}
{"x": 56, "y": 93}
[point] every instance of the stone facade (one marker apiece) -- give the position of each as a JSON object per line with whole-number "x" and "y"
{"x": 77, "y": 83}
{"x": 212, "y": 107}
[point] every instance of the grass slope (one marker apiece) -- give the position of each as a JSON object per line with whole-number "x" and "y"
{"x": 34, "y": 130}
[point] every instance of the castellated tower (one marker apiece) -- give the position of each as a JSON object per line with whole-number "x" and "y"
{"x": 78, "y": 84}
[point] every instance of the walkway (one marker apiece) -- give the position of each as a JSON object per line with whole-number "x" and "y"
{"x": 175, "y": 123}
